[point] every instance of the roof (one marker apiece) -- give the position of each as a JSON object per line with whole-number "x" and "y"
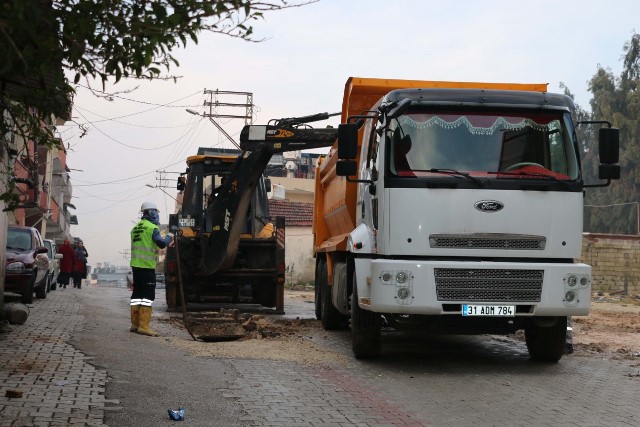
{"x": 295, "y": 213}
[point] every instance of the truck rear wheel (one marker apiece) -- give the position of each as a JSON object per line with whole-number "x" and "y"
{"x": 365, "y": 329}
{"x": 546, "y": 339}
{"x": 331, "y": 318}
{"x": 318, "y": 289}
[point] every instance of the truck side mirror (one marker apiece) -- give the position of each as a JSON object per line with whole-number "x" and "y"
{"x": 267, "y": 185}
{"x": 609, "y": 152}
{"x": 346, "y": 168}
{"x": 182, "y": 182}
{"x": 609, "y": 145}
{"x": 347, "y": 140}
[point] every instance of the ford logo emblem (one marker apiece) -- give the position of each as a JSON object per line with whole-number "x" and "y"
{"x": 489, "y": 206}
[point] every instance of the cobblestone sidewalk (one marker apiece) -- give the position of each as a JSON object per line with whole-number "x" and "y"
{"x": 59, "y": 386}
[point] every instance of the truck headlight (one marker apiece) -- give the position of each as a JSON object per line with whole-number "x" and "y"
{"x": 386, "y": 277}
{"x": 572, "y": 280}
{"x": 584, "y": 281}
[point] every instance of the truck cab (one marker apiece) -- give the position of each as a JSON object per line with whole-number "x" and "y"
{"x": 457, "y": 207}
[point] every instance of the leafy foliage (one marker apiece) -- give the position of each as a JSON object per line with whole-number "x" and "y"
{"x": 614, "y": 209}
{"x": 44, "y": 41}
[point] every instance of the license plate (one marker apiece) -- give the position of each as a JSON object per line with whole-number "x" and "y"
{"x": 187, "y": 222}
{"x": 489, "y": 310}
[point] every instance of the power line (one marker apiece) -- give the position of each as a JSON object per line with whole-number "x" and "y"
{"x": 144, "y": 102}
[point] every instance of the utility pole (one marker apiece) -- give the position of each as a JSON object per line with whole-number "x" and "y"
{"x": 125, "y": 254}
{"x": 220, "y": 109}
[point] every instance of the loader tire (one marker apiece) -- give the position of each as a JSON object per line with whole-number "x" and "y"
{"x": 366, "y": 327}
{"x": 331, "y": 318}
{"x": 171, "y": 294}
{"x": 546, "y": 340}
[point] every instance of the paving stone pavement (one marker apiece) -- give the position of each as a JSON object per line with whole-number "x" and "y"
{"x": 59, "y": 385}
{"x": 449, "y": 382}
{"x": 275, "y": 394}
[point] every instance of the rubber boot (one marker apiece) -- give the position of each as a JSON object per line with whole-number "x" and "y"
{"x": 135, "y": 318}
{"x": 145, "y": 318}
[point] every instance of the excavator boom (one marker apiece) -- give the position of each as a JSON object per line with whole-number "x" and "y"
{"x": 228, "y": 211}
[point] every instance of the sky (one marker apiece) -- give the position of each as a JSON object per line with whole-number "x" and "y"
{"x": 300, "y": 68}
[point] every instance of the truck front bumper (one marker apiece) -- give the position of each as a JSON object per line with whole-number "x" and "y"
{"x": 443, "y": 287}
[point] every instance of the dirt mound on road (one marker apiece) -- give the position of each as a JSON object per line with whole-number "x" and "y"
{"x": 255, "y": 337}
{"x": 612, "y": 327}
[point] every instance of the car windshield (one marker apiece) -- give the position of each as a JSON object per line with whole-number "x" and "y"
{"x": 530, "y": 144}
{"x": 19, "y": 239}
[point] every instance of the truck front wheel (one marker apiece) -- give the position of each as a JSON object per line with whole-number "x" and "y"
{"x": 331, "y": 318}
{"x": 546, "y": 338}
{"x": 365, "y": 329}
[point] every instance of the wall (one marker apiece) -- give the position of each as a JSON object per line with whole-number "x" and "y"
{"x": 299, "y": 255}
{"x": 615, "y": 262}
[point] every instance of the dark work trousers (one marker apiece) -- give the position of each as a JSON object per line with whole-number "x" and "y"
{"x": 144, "y": 286}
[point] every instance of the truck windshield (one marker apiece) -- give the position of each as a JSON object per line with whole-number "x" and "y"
{"x": 496, "y": 145}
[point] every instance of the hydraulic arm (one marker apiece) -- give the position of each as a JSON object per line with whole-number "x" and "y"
{"x": 229, "y": 209}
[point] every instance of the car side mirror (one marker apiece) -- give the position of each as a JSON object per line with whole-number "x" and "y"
{"x": 40, "y": 250}
{"x": 58, "y": 256}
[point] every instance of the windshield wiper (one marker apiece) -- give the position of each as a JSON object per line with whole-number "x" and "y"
{"x": 533, "y": 174}
{"x": 455, "y": 173}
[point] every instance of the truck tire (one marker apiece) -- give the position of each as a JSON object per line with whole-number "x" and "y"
{"x": 318, "y": 289}
{"x": 331, "y": 318}
{"x": 545, "y": 341}
{"x": 27, "y": 294}
{"x": 365, "y": 329}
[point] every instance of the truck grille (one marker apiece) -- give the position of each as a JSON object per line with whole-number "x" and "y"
{"x": 487, "y": 241}
{"x": 453, "y": 284}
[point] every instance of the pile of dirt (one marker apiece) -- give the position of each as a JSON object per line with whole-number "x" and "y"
{"x": 228, "y": 324}
{"x": 612, "y": 327}
{"x": 260, "y": 338}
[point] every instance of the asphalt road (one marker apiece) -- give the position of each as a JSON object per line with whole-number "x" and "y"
{"x": 419, "y": 380}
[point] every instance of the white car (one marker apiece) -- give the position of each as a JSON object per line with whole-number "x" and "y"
{"x": 54, "y": 263}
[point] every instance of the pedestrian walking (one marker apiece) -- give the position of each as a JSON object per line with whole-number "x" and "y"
{"x": 79, "y": 264}
{"x": 145, "y": 241}
{"x": 66, "y": 264}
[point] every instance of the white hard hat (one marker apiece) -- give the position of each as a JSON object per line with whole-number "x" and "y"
{"x": 148, "y": 205}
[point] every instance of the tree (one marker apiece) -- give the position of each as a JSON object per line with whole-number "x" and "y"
{"x": 617, "y": 100}
{"x": 44, "y": 41}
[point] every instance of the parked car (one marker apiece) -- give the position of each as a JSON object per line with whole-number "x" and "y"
{"x": 27, "y": 264}
{"x": 54, "y": 263}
